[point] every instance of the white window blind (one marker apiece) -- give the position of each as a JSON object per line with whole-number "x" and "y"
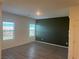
{"x": 8, "y": 30}
{"x": 32, "y": 30}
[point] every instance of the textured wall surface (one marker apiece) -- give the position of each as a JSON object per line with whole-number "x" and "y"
{"x": 21, "y": 30}
{"x": 54, "y": 30}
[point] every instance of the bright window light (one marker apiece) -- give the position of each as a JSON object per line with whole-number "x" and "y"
{"x": 32, "y": 30}
{"x": 8, "y": 30}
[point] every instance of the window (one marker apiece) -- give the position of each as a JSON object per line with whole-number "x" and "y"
{"x": 32, "y": 30}
{"x": 8, "y": 30}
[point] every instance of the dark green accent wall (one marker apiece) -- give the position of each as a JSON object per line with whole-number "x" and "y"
{"x": 53, "y": 30}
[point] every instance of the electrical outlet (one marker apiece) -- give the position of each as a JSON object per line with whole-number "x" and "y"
{"x": 66, "y": 43}
{"x": 42, "y": 39}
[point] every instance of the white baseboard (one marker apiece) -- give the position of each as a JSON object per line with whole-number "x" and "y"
{"x": 52, "y": 44}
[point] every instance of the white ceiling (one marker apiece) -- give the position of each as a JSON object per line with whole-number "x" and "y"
{"x": 47, "y": 8}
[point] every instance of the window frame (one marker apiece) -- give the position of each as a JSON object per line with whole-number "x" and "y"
{"x": 7, "y": 28}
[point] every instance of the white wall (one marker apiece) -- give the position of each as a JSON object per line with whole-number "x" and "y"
{"x": 74, "y": 33}
{"x": 21, "y": 30}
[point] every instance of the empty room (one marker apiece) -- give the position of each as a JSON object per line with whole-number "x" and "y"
{"x": 39, "y": 29}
